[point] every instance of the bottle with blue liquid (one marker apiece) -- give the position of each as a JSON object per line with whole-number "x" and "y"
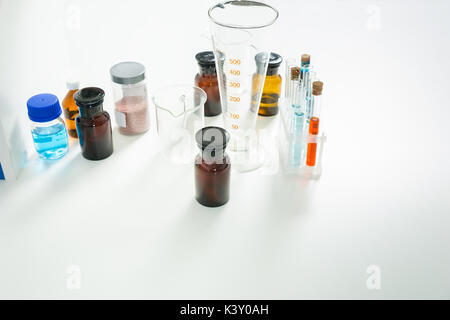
{"x": 48, "y": 129}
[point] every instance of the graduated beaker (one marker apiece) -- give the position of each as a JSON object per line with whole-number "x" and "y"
{"x": 241, "y": 38}
{"x": 179, "y": 115}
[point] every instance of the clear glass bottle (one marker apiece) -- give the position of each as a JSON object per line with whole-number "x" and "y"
{"x": 272, "y": 87}
{"x": 130, "y": 97}
{"x": 93, "y": 124}
{"x": 70, "y": 108}
{"x": 48, "y": 129}
{"x": 212, "y": 167}
{"x": 206, "y": 79}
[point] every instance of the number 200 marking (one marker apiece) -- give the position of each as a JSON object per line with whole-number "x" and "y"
{"x": 235, "y": 99}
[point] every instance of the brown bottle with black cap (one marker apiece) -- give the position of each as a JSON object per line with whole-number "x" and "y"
{"x": 206, "y": 79}
{"x": 93, "y": 124}
{"x": 212, "y": 167}
{"x": 272, "y": 87}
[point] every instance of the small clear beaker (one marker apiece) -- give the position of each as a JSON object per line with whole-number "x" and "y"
{"x": 242, "y": 41}
{"x": 179, "y": 115}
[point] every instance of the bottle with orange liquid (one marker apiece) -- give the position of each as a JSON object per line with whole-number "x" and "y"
{"x": 70, "y": 108}
{"x": 317, "y": 87}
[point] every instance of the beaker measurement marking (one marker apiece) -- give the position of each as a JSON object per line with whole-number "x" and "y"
{"x": 235, "y": 86}
{"x": 234, "y": 61}
{"x": 235, "y": 72}
{"x": 234, "y": 115}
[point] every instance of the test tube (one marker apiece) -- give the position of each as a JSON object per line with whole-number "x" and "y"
{"x": 290, "y": 63}
{"x": 297, "y": 148}
{"x": 305, "y": 62}
{"x": 294, "y": 96}
{"x": 317, "y": 87}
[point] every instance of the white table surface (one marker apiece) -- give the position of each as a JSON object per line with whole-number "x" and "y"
{"x": 130, "y": 223}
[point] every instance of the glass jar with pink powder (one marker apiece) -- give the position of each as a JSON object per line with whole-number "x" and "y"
{"x": 130, "y": 97}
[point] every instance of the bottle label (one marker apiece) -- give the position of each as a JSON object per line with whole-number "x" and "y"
{"x": 121, "y": 119}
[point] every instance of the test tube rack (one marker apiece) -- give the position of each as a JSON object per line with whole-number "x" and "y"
{"x": 288, "y": 142}
{"x": 294, "y": 144}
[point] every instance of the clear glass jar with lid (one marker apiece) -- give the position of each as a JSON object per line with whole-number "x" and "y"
{"x": 130, "y": 97}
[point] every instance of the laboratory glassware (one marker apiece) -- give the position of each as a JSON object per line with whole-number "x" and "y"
{"x": 317, "y": 87}
{"x": 70, "y": 108}
{"x": 179, "y": 115}
{"x": 301, "y": 138}
{"x": 130, "y": 97}
{"x": 48, "y": 128}
{"x": 272, "y": 87}
{"x": 206, "y": 79}
{"x": 212, "y": 167}
{"x": 93, "y": 124}
{"x": 240, "y": 31}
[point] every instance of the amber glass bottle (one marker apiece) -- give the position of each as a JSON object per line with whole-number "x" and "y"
{"x": 70, "y": 108}
{"x": 93, "y": 124}
{"x": 272, "y": 87}
{"x": 207, "y": 80}
{"x": 212, "y": 167}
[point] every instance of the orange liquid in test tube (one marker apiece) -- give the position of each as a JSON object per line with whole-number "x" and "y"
{"x": 312, "y": 147}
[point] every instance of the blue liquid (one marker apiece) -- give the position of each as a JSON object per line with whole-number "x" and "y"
{"x": 297, "y": 140}
{"x": 51, "y": 142}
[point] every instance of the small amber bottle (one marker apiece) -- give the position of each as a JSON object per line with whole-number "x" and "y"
{"x": 93, "y": 124}
{"x": 212, "y": 167}
{"x": 70, "y": 108}
{"x": 207, "y": 80}
{"x": 272, "y": 87}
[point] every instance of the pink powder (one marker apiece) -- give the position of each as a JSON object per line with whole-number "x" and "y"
{"x": 135, "y": 109}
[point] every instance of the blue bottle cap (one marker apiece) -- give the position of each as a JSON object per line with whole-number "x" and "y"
{"x": 43, "y": 107}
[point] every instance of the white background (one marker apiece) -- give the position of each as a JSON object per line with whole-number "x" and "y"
{"x": 131, "y": 223}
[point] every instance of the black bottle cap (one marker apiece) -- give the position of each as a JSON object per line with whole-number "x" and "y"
{"x": 274, "y": 61}
{"x": 214, "y": 137}
{"x": 89, "y": 97}
{"x": 205, "y": 59}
